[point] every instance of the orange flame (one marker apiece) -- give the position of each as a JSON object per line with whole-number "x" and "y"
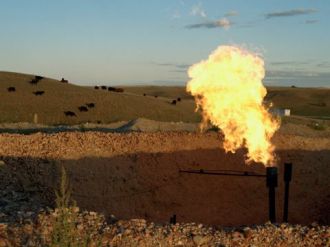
{"x": 228, "y": 89}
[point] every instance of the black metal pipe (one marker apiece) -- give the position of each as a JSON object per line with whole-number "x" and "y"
{"x": 287, "y": 179}
{"x": 271, "y": 182}
{"x": 228, "y": 173}
{"x": 173, "y": 219}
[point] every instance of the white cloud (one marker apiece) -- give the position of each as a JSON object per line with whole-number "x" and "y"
{"x": 197, "y": 10}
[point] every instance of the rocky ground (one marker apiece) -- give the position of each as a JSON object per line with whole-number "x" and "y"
{"x": 139, "y": 232}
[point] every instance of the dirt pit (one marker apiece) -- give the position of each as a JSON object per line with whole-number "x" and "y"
{"x": 136, "y": 175}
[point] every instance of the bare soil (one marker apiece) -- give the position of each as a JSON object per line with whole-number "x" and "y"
{"x": 136, "y": 175}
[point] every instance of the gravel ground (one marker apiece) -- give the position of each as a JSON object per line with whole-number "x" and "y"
{"x": 139, "y": 232}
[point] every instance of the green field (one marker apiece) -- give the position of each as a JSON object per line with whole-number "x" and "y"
{"x": 22, "y": 105}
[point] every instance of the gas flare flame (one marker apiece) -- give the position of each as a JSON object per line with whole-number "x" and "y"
{"x": 228, "y": 89}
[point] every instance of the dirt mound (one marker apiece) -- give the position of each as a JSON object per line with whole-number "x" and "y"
{"x": 135, "y": 175}
{"x": 139, "y": 125}
{"x": 146, "y": 125}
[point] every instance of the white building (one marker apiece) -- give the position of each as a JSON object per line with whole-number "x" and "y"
{"x": 280, "y": 112}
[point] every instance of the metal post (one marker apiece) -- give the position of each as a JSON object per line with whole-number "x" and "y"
{"x": 271, "y": 182}
{"x": 287, "y": 179}
{"x": 173, "y": 219}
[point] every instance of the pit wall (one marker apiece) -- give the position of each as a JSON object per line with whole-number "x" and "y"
{"x": 137, "y": 176}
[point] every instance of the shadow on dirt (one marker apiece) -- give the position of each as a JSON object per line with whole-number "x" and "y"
{"x": 149, "y": 185}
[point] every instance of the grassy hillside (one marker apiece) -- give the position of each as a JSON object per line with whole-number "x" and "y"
{"x": 301, "y": 101}
{"x": 21, "y": 105}
{"x": 162, "y": 91}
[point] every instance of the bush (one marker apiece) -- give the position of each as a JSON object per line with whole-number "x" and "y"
{"x": 65, "y": 225}
{"x": 317, "y": 126}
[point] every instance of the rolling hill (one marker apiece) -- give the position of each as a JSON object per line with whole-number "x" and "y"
{"x": 312, "y": 102}
{"x": 22, "y": 105}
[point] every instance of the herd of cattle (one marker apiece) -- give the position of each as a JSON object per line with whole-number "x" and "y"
{"x": 87, "y": 106}
{"x": 35, "y": 81}
{"x": 111, "y": 89}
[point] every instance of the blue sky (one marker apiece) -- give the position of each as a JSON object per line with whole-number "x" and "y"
{"x": 154, "y": 41}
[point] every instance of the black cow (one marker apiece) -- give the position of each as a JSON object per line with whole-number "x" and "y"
{"x": 156, "y": 96}
{"x": 178, "y": 99}
{"x": 114, "y": 89}
{"x": 11, "y": 89}
{"x": 90, "y": 105}
{"x": 144, "y": 94}
{"x": 96, "y": 87}
{"x": 104, "y": 87}
{"x": 173, "y": 102}
{"x": 70, "y": 114}
{"x": 36, "y": 79}
{"x": 83, "y": 108}
{"x": 64, "y": 81}
{"x": 37, "y": 93}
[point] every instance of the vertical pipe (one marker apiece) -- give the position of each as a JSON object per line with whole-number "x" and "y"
{"x": 173, "y": 219}
{"x": 287, "y": 179}
{"x": 271, "y": 182}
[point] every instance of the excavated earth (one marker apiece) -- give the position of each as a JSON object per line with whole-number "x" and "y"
{"x": 136, "y": 175}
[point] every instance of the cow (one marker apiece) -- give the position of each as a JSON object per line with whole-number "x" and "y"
{"x": 70, "y": 114}
{"x": 173, "y": 102}
{"x": 11, "y": 89}
{"x": 37, "y": 93}
{"x": 144, "y": 94}
{"x": 98, "y": 121}
{"x": 64, "y": 81}
{"x": 36, "y": 79}
{"x": 96, "y": 87}
{"x": 114, "y": 89}
{"x": 178, "y": 99}
{"x": 104, "y": 87}
{"x": 156, "y": 96}
{"x": 90, "y": 105}
{"x": 83, "y": 108}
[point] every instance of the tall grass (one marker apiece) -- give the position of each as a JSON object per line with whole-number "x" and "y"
{"x": 66, "y": 232}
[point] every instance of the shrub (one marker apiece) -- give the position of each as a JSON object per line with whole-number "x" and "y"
{"x": 317, "y": 126}
{"x": 65, "y": 225}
